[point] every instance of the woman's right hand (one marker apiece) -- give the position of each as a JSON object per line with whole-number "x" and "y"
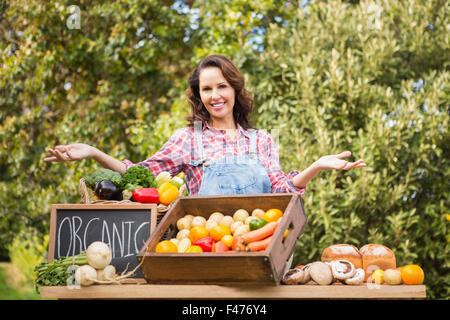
{"x": 70, "y": 152}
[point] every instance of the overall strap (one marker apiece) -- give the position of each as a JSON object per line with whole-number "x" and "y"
{"x": 252, "y": 149}
{"x": 198, "y": 135}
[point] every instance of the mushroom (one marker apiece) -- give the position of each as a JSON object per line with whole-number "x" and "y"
{"x": 293, "y": 276}
{"x": 321, "y": 273}
{"x": 358, "y": 277}
{"x": 342, "y": 269}
{"x": 306, "y": 276}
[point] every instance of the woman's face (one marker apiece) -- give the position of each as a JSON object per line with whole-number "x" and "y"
{"x": 217, "y": 95}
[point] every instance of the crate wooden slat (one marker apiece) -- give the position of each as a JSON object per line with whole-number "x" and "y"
{"x": 230, "y": 267}
{"x": 156, "y": 291}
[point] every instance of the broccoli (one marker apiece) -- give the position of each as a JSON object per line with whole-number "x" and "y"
{"x": 102, "y": 174}
{"x": 137, "y": 177}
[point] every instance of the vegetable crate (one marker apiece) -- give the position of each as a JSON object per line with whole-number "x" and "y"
{"x": 265, "y": 267}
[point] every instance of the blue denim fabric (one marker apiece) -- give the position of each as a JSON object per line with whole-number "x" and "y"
{"x": 233, "y": 175}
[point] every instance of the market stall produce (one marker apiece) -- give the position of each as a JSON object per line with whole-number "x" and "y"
{"x": 345, "y": 264}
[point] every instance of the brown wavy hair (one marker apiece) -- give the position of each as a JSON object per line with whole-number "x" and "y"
{"x": 243, "y": 104}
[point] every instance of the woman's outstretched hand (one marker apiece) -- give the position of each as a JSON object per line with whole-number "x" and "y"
{"x": 70, "y": 152}
{"x": 336, "y": 162}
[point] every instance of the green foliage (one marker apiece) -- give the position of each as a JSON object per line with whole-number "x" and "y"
{"x": 328, "y": 76}
{"x": 339, "y": 79}
{"x": 121, "y": 69}
{"x": 7, "y": 292}
{"x": 26, "y": 252}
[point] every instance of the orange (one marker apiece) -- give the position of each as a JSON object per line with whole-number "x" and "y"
{"x": 272, "y": 215}
{"x": 412, "y": 274}
{"x": 197, "y": 232}
{"x": 227, "y": 239}
{"x": 219, "y": 231}
{"x": 166, "y": 246}
{"x": 194, "y": 249}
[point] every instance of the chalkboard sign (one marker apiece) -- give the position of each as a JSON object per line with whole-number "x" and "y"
{"x": 124, "y": 227}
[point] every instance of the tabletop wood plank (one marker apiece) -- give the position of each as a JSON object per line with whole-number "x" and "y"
{"x": 154, "y": 291}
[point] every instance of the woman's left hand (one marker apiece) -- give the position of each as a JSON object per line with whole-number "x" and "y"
{"x": 336, "y": 162}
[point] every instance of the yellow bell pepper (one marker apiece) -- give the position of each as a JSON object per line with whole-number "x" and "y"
{"x": 167, "y": 193}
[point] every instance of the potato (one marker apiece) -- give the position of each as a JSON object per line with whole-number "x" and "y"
{"x": 240, "y": 215}
{"x": 242, "y": 229}
{"x": 227, "y": 221}
{"x": 250, "y": 218}
{"x": 183, "y": 223}
{"x": 392, "y": 277}
{"x": 216, "y": 216}
{"x": 210, "y": 224}
{"x": 235, "y": 225}
{"x": 258, "y": 213}
{"x": 183, "y": 234}
{"x": 198, "y": 221}
{"x": 189, "y": 217}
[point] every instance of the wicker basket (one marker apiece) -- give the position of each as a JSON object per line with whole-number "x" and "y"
{"x": 87, "y": 197}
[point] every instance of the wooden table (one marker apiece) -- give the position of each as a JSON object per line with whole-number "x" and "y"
{"x": 154, "y": 291}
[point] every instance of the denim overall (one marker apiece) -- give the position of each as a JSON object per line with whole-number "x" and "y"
{"x": 232, "y": 175}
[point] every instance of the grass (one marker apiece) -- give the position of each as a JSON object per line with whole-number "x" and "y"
{"x": 10, "y": 289}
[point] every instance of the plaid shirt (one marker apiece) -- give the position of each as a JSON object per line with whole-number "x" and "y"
{"x": 176, "y": 154}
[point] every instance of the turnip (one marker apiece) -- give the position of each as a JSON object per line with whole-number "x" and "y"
{"x": 108, "y": 273}
{"x": 85, "y": 275}
{"x": 99, "y": 255}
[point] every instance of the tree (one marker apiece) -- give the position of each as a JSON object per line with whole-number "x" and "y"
{"x": 372, "y": 79}
{"x": 327, "y": 76}
{"x": 100, "y": 84}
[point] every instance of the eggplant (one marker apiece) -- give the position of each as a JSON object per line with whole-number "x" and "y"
{"x": 107, "y": 190}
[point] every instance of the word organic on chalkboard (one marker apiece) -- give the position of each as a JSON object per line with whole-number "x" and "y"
{"x": 125, "y": 228}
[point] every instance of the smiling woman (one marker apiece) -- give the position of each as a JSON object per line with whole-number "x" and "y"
{"x": 217, "y": 93}
{"x": 219, "y": 151}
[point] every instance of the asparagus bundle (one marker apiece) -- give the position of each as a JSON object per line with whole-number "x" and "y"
{"x": 56, "y": 272}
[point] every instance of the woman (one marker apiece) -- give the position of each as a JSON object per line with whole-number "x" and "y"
{"x": 219, "y": 151}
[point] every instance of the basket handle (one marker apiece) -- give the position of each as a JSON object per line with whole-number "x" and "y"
{"x": 85, "y": 198}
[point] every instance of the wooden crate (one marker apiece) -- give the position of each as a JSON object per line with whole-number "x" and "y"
{"x": 225, "y": 267}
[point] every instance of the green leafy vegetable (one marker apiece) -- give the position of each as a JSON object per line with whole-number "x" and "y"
{"x": 56, "y": 272}
{"x": 137, "y": 177}
{"x": 102, "y": 174}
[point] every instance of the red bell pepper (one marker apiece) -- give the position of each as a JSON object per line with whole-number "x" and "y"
{"x": 204, "y": 243}
{"x": 146, "y": 195}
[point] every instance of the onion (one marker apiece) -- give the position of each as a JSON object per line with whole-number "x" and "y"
{"x": 99, "y": 255}
{"x": 85, "y": 275}
{"x": 108, "y": 273}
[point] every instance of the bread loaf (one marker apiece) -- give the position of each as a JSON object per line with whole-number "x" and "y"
{"x": 376, "y": 256}
{"x": 343, "y": 252}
